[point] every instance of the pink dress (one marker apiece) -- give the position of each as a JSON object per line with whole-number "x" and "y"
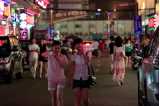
{"x": 118, "y": 64}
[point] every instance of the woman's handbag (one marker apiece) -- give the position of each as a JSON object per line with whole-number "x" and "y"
{"x": 91, "y": 75}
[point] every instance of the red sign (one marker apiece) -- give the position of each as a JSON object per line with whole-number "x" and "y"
{"x": 153, "y": 21}
{"x": 42, "y": 3}
{"x": 30, "y": 20}
{"x": 32, "y": 11}
{"x": 2, "y": 30}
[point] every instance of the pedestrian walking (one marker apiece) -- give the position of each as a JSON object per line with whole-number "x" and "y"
{"x": 56, "y": 76}
{"x": 80, "y": 74}
{"x": 102, "y": 47}
{"x": 119, "y": 62}
{"x": 128, "y": 52}
{"x": 42, "y": 60}
{"x": 33, "y": 57}
{"x": 146, "y": 54}
{"x": 111, "y": 49}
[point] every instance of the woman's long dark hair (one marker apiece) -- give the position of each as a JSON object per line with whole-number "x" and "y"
{"x": 118, "y": 41}
{"x": 76, "y": 41}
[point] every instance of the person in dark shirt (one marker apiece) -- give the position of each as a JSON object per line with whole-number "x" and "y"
{"x": 146, "y": 48}
{"x": 146, "y": 54}
{"x": 43, "y": 60}
{"x": 111, "y": 47}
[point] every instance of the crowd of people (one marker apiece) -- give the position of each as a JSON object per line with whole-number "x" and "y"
{"x": 57, "y": 62}
{"x": 71, "y": 65}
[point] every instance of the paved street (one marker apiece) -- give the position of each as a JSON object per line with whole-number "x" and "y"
{"x": 28, "y": 92}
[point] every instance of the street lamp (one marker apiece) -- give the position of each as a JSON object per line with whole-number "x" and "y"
{"x": 99, "y": 10}
{"x": 108, "y": 18}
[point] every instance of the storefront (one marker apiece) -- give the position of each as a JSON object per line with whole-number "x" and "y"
{"x": 23, "y": 19}
{"x": 147, "y": 9}
{"x": 26, "y": 23}
{"x": 4, "y": 17}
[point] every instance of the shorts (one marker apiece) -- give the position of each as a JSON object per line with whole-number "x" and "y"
{"x": 128, "y": 54}
{"x": 43, "y": 59}
{"x": 81, "y": 84}
{"x": 53, "y": 85}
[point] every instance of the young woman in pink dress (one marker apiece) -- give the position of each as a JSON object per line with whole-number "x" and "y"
{"x": 119, "y": 61}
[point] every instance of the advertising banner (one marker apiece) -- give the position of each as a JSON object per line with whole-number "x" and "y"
{"x": 137, "y": 24}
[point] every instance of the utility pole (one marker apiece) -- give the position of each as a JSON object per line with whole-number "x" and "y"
{"x": 53, "y": 8}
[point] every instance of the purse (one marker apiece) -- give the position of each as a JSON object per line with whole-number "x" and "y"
{"x": 91, "y": 75}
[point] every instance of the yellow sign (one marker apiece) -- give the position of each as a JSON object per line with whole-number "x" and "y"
{"x": 7, "y": 11}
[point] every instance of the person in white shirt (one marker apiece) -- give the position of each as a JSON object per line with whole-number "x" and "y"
{"x": 80, "y": 74}
{"x": 33, "y": 57}
{"x": 95, "y": 45}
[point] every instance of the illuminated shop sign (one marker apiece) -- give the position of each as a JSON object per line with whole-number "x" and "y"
{"x": 30, "y": 20}
{"x": 23, "y": 16}
{"x": 1, "y": 8}
{"x": 42, "y": 3}
{"x": 1, "y": 5}
{"x": 137, "y": 24}
{"x": 7, "y": 11}
{"x": 2, "y": 31}
{"x": 6, "y": 2}
{"x": 153, "y": 22}
{"x": 23, "y": 23}
{"x": 30, "y": 11}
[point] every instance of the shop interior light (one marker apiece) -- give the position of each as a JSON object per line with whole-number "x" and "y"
{"x": 1, "y": 5}
{"x": 3, "y": 22}
{"x": 14, "y": 24}
{"x": 99, "y": 10}
{"x": 23, "y": 16}
{"x": 23, "y": 24}
{"x": 29, "y": 26}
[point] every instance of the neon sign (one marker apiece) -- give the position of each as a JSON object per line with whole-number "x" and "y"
{"x": 1, "y": 5}
{"x": 42, "y": 3}
{"x": 30, "y": 20}
{"x": 153, "y": 22}
{"x": 7, "y": 11}
{"x": 6, "y": 2}
{"x": 23, "y": 16}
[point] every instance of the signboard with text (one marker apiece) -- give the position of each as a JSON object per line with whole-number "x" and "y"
{"x": 138, "y": 24}
{"x": 153, "y": 22}
{"x": 2, "y": 30}
{"x": 42, "y": 3}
